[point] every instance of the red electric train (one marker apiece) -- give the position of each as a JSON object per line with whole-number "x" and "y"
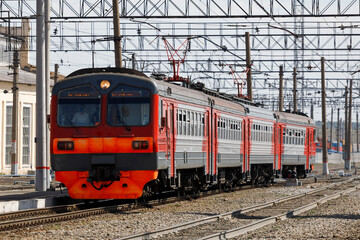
{"x": 118, "y": 134}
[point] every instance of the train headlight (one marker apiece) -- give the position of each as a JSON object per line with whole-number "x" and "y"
{"x": 140, "y": 144}
{"x": 65, "y": 145}
{"x": 105, "y": 84}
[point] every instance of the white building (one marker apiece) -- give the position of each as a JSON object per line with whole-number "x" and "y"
{"x": 26, "y": 120}
{"x": 25, "y": 147}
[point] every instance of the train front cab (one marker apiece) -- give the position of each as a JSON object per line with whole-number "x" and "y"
{"x": 111, "y": 154}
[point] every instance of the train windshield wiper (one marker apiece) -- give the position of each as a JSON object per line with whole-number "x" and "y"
{"x": 124, "y": 123}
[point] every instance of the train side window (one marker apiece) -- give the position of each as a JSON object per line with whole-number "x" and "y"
{"x": 284, "y": 136}
{"x": 179, "y": 122}
{"x": 219, "y": 128}
{"x": 188, "y": 123}
{"x": 185, "y": 122}
{"x": 227, "y": 129}
{"x": 232, "y": 130}
{"x": 196, "y": 124}
{"x": 192, "y": 123}
{"x": 202, "y": 124}
{"x": 160, "y": 111}
{"x": 223, "y": 129}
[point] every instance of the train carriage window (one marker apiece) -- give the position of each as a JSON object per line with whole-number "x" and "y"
{"x": 223, "y": 128}
{"x": 179, "y": 122}
{"x": 183, "y": 122}
{"x": 187, "y": 123}
{"x": 79, "y": 107}
{"x": 203, "y": 124}
{"x": 192, "y": 124}
{"x": 196, "y": 124}
{"x": 237, "y": 131}
{"x": 284, "y": 136}
{"x": 160, "y": 111}
{"x": 227, "y": 129}
{"x": 232, "y": 130}
{"x": 128, "y": 106}
{"x": 219, "y": 128}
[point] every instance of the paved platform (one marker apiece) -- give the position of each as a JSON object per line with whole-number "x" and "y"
{"x": 17, "y": 200}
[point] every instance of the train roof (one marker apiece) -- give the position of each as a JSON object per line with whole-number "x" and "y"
{"x": 190, "y": 95}
{"x": 196, "y": 94}
{"x": 258, "y": 112}
{"x": 293, "y": 118}
{"x": 83, "y": 77}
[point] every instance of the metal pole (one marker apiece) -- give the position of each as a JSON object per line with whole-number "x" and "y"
{"x": 294, "y": 90}
{"x": 14, "y": 127}
{"x": 40, "y": 184}
{"x": 357, "y": 131}
{"x": 338, "y": 130}
{"x": 312, "y": 110}
{"x": 56, "y": 73}
{"x": 331, "y": 127}
{"x": 345, "y": 123}
{"x": 248, "y": 66}
{"x": 117, "y": 38}
{"x": 323, "y": 108}
{"x": 133, "y": 60}
{"x": 349, "y": 148}
{"x": 47, "y": 88}
{"x": 281, "y": 100}
{"x": 341, "y": 130}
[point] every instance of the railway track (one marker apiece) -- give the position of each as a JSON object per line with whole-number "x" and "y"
{"x": 34, "y": 217}
{"x": 232, "y": 224}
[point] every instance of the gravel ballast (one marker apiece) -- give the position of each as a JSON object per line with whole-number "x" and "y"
{"x": 336, "y": 219}
{"x": 111, "y": 226}
{"x": 332, "y": 220}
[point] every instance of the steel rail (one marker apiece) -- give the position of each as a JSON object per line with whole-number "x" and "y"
{"x": 273, "y": 219}
{"x": 33, "y": 217}
{"x": 228, "y": 215}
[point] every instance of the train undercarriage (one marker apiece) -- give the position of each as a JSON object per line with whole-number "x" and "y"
{"x": 195, "y": 180}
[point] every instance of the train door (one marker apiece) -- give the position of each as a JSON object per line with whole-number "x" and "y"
{"x": 307, "y": 148}
{"x": 215, "y": 145}
{"x": 211, "y": 172}
{"x": 208, "y": 148}
{"x": 244, "y": 140}
{"x": 247, "y": 142}
{"x": 275, "y": 148}
{"x": 281, "y": 146}
{"x": 171, "y": 142}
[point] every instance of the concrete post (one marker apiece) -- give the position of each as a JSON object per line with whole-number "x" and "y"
{"x": 40, "y": 184}
{"x": 338, "y": 130}
{"x": 331, "y": 127}
{"x": 117, "y": 37}
{"x": 349, "y": 148}
{"x": 357, "y": 131}
{"x": 248, "y": 66}
{"x": 15, "y": 116}
{"x": 281, "y": 96}
{"x": 294, "y": 89}
{"x": 47, "y": 88}
{"x": 323, "y": 108}
{"x": 56, "y": 73}
{"x": 346, "y": 124}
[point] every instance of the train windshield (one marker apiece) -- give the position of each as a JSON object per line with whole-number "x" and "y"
{"x": 79, "y": 107}
{"x": 128, "y": 106}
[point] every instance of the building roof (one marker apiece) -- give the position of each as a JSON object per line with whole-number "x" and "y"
{"x": 25, "y": 77}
